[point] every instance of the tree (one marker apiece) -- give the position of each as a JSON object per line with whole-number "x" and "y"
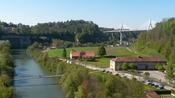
{"x": 169, "y": 71}
{"x": 6, "y": 71}
{"x": 57, "y": 43}
{"x": 161, "y": 39}
{"x": 64, "y": 53}
{"x": 101, "y": 51}
{"x": 159, "y": 67}
{"x": 132, "y": 66}
{"x": 125, "y": 66}
{"x": 146, "y": 75}
{"x": 172, "y": 57}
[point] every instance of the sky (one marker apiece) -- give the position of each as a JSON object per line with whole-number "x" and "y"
{"x": 105, "y": 13}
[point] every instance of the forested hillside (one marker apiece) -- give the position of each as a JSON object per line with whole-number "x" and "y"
{"x": 74, "y": 31}
{"x": 161, "y": 38}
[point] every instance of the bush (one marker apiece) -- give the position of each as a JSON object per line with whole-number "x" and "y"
{"x": 101, "y": 51}
{"x": 6, "y": 71}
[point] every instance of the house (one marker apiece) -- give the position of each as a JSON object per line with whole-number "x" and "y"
{"x": 74, "y": 54}
{"x": 82, "y": 54}
{"x": 141, "y": 62}
{"x": 152, "y": 94}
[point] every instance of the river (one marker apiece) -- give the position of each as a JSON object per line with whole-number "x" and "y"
{"x": 32, "y": 88}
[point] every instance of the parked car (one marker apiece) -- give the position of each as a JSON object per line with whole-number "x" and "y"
{"x": 103, "y": 70}
{"x": 149, "y": 82}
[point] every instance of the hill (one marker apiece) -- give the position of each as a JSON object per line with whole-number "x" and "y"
{"x": 79, "y": 31}
{"x": 161, "y": 39}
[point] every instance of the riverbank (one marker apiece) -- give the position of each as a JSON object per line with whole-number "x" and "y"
{"x": 6, "y": 71}
{"x": 80, "y": 82}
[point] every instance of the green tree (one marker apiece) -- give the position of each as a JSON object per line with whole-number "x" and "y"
{"x": 80, "y": 93}
{"x": 169, "y": 71}
{"x": 125, "y": 66}
{"x": 146, "y": 75}
{"x": 6, "y": 71}
{"x": 64, "y": 53}
{"x": 101, "y": 51}
{"x": 132, "y": 66}
{"x": 159, "y": 67}
{"x": 172, "y": 57}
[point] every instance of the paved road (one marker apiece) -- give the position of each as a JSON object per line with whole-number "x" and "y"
{"x": 160, "y": 76}
{"x": 154, "y": 74}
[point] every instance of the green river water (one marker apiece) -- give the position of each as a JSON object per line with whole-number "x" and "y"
{"x": 26, "y": 67}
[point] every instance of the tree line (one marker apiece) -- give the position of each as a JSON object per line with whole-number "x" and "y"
{"x": 6, "y": 71}
{"x": 78, "y": 31}
{"x": 79, "y": 82}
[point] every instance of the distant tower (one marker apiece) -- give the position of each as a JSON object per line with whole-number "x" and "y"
{"x": 121, "y": 35}
{"x": 150, "y": 26}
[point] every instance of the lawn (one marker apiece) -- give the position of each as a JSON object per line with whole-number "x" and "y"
{"x": 112, "y": 52}
{"x": 99, "y": 62}
{"x": 119, "y": 51}
{"x": 58, "y": 52}
{"x": 149, "y": 51}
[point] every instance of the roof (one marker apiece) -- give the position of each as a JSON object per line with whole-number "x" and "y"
{"x": 139, "y": 59}
{"x": 88, "y": 54}
{"x": 83, "y": 53}
{"x": 152, "y": 94}
{"x": 75, "y": 53}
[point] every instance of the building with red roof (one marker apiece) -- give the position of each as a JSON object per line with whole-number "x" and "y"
{"x": 141, "y": 62}
{"x": 82, "y": 54}
{"x": 152, "y": 94}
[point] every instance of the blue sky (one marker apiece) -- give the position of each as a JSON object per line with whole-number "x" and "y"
{"x": 107, "y": 13}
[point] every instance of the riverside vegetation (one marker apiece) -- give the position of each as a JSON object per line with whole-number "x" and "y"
{"x": 6, "y": 71}
{"x": 79, "y": 82}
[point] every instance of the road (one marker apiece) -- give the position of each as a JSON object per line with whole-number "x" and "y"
{"x": 160, "y": 76}
{"x": 153, "y": 74}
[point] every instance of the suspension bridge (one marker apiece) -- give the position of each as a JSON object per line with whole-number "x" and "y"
{"x": 36, "y": 77}
{"x": 125, "y": 29}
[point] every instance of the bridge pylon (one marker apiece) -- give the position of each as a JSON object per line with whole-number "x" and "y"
{"x": 121, "y": 35}
{"x": 150, "y": 26}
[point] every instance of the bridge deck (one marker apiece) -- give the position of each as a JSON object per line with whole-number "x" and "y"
{"x": 37, "y": 77}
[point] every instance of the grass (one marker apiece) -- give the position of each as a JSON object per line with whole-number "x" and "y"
{"x": 119, "y": 51}
{"x": 99, "y": 62}
{"x": 58, "y": 52}
{"x": 112, "y": 52}
{"x": 149, "y": 51}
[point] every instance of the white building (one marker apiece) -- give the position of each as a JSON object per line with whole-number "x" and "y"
{"x": 141, "y": 63}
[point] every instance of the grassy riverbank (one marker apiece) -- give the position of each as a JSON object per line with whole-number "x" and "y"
{"x": 80, "y": 82}
{"x": 6, "y": 71}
